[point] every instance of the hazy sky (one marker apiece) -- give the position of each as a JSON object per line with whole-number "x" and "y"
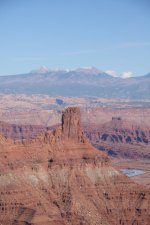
{"x": 113, "y": 35}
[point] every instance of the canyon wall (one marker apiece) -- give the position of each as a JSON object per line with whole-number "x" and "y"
{"x": 59, "y": 178}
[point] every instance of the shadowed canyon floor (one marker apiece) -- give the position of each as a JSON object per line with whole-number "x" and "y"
{"x": 59, "y": 178}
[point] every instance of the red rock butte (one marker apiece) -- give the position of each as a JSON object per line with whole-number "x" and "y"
{"x": 60, "y": 179}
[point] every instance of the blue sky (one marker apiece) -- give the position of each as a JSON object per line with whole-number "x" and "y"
{"x": 112, "y": 35}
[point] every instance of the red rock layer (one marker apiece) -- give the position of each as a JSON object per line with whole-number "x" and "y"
{"x": 16, "y": 131}
{"x": 59, "y": 178}
{"x": 119, "y": 138}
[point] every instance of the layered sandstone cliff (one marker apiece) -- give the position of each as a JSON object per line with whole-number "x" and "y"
{"x": 119, "y": 138}
{"x": 59, "y": 178}
{"x": 15, "y": 131}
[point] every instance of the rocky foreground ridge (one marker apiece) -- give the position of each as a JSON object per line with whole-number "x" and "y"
{"x": 59, "y": 178}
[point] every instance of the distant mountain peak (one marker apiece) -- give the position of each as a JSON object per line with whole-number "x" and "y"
{"x": 86, "y": 70}
{"x": 42, "y": 69}
{"x": 45, "y": 69}
{"x": 89, "y": 70}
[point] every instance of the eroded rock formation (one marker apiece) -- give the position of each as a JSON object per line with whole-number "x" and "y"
{"x": 71, "y": 125}
{"x": 60, "y": 179}
{"x": 120, "y": 138}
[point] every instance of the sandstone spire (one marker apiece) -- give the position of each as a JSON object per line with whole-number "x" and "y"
{"x": 71, "y": 124}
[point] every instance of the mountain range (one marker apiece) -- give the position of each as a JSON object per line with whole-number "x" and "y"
{"x": 79, "y": 82}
